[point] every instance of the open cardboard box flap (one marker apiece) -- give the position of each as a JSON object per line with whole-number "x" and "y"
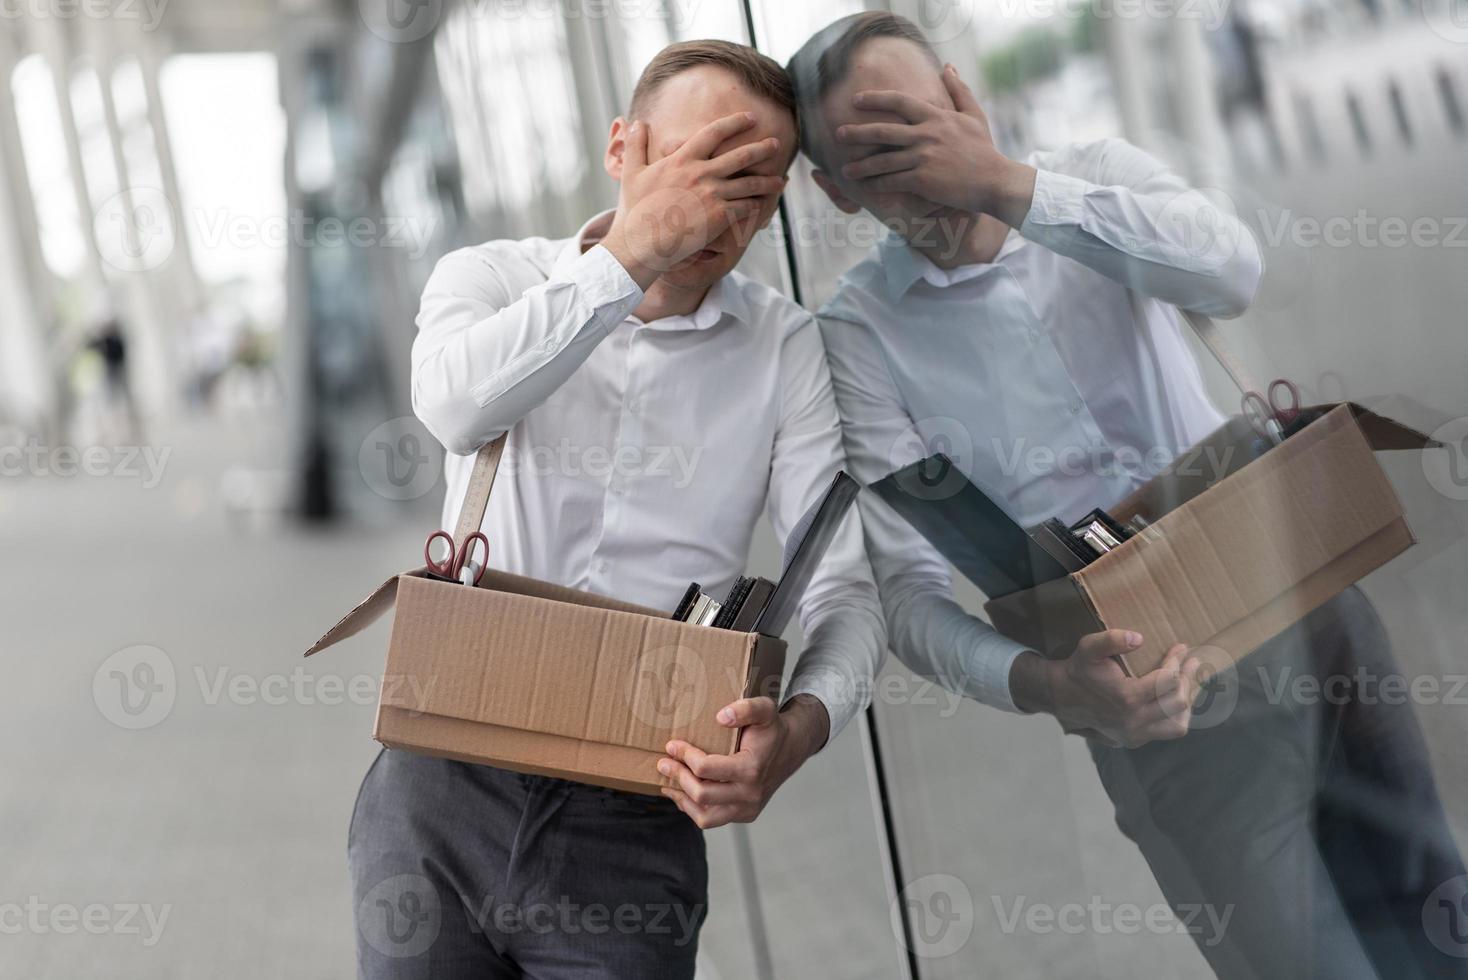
{"x": 1235, "y": 553}
{"x": 372, "y": 608}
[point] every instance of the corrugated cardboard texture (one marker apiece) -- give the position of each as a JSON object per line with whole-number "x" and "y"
{"x": 569, "y": 686}
{"x": 1240, "y": 559}
{"x": 1246, "y": 541}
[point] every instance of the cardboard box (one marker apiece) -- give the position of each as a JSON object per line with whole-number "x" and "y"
{"x": 542, "y": 679}
{"x": 1241, "y": 545}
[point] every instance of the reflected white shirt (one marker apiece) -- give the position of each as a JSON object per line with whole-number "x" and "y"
{"x": 1056, "y": 376}
{"x": 641, "y": 455}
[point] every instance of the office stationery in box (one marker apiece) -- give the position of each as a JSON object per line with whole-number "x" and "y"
{"x": 539, "y": 678}
{"x": 1229, "y": 558}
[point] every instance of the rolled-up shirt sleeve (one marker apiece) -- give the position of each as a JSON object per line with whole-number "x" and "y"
{"x": 485, "y": 355}
{"x": 840, "y": 613}
{"x": 929, "y": 631}
{"x": 1122, "y": 212}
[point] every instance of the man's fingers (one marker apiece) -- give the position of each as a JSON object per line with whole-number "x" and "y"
{"x": 743, "y": 157}
{"x": 721, "y": 768}
{"x": 880, "y": 163}
{"x": 702, "y": 144}
{"x": 963, "y": 97}
{"x": 742, "y": 187}
{"x": 634, "y": 156}
{"x": 705, "y": 792}
{"x": 906, "y": 182}
{"x": 707, "y": 817}
{"x": 912, "y": 109}
{"x": 748, "y": 711}
{"x": 879, "y": 134}
{"x": 1100, "y": 647}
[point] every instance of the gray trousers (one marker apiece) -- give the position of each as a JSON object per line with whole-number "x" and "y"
{"x": 462, "y": 871}
{"x": 1310, "y": 818}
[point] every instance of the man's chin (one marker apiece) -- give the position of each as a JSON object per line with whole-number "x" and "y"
{"x": 696, "y": 274}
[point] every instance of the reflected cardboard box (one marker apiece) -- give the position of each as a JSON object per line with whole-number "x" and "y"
{"x": 1241, "y": 543}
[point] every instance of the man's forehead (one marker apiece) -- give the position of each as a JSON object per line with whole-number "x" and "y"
{"x": 689, "y": 101}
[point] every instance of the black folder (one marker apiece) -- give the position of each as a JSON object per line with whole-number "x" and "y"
{"x": 968, "y": 527}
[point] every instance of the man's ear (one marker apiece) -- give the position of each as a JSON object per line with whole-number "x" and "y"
{"x": 824, "y": 182}
{"x": 616, "y": 147}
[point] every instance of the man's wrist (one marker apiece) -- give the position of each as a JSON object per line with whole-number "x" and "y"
{"x": 809, "y": 722}
{"x": 1031, "y": 683}
{"x": 1013, "y": 192}
{"x": 616, "y": 243}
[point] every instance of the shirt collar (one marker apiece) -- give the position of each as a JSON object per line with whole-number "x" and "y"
{"x": 903, "y": 265}
{"x": 725, "y": 297}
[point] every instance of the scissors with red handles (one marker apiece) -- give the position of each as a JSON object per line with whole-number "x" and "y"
{"x": 1269, "y": 413}
{"x": 459, "y": 564}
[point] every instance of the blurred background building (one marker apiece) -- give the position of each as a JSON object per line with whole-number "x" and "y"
{"x": 215, "y": 221}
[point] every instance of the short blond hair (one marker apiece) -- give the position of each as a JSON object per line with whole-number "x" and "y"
{"x": 760, "y": 73}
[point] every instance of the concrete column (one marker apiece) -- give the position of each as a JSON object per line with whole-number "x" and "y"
{"x": 181, "y": 264}
{"x": 152, "y": 314}
{"x": 1200, "y": 122}
{"x": 1125, "y": 47}
{"x": 28, "y": 385}
{"x": 52, "y": 39}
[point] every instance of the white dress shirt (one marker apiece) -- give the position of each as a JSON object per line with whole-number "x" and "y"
{"x": 641, "y": 455}
{"x": 1057, "y": 376}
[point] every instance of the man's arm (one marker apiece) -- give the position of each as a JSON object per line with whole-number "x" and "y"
{"x": 840, "y": 616}
{"x": 485, "y": 357}
{"x": 930, "y": 632}
{"x": 1087, "y": 692}
{"x": 1107, "y": 205}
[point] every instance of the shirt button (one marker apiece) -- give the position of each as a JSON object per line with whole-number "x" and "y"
{"x": 601, "y": 566}
{"x": 1075, "y": 408}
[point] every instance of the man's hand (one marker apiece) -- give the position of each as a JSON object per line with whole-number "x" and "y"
{"x": 670, "y": 210}
{"x": 1088, "y": 691}
{"x": 944, "y": 155}
{"x": 719, "y": 789}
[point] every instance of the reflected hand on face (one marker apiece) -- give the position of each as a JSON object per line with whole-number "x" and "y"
{"x": 947, "y": 156}
{"x": 671, "y": 209}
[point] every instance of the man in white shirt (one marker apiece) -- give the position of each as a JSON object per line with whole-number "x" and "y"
{"x": 1020, "y": 317}
{"x": 657, "y": 402}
